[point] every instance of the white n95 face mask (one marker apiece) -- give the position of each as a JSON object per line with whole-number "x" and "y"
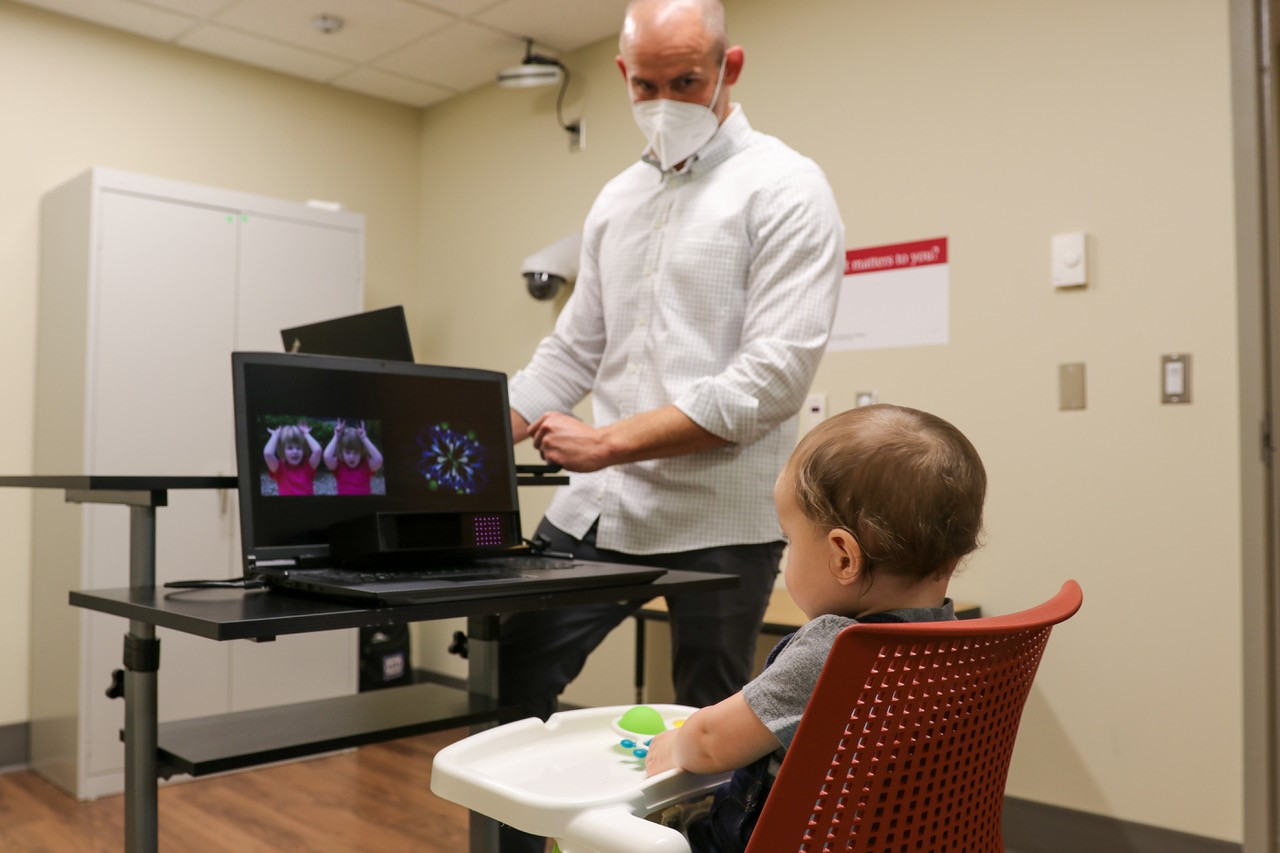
{"x": 677, "y": 129}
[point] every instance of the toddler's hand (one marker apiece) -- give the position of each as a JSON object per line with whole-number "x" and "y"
{"x": 660, "y": 757}
{"x": 305, "y": 427}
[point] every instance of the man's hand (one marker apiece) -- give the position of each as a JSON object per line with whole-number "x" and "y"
{"x": 573, "y": 445}
{"x": 568, "y": 442}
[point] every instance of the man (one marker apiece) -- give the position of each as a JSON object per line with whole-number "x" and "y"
{"x": 708, "y": 281}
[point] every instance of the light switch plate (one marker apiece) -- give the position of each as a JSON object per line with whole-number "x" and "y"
{"x": 1071, "y": 386}
{"x": 1175, "y": 378}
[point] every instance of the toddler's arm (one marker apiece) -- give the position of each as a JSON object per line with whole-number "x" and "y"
{"x": 269, "y": 452}
{"x": 721, "y": 737}
{"x": 331, "y": 449}
{"x": 316, "y": 450}
{"x": 371, "y": 450}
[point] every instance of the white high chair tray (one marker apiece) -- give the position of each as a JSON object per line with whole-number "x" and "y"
{"x": 567, "y": 778}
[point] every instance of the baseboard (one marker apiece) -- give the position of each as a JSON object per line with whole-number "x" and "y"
{"x": 430, "y": 676}
{"x": 15, "y": 746}
{"x": 1031, "y": 827}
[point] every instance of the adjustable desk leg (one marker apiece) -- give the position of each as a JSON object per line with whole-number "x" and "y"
{"x": 142, "y": 662}
{"x": 640, "y": 673}
{"x": 482, "y": 678}
{"x": 141, "y": 667}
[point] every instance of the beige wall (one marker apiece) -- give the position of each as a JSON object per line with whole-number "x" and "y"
{"x": 76, "y": 96}
{"x": 997, "y": 123}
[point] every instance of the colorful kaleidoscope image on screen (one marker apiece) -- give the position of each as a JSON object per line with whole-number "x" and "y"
{"x": 452, "y": 459}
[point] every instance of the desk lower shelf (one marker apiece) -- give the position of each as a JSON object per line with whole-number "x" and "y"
{"x": 248, "y": 738}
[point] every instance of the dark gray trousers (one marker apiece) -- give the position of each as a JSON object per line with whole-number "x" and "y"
{"x": 713, "y": 634}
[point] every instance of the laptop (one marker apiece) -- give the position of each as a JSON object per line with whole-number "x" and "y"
{"x": 381, "y": 333}
{"x": 420, "y": 505}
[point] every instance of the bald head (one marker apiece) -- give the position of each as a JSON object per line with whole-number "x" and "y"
{"x": 649, "y": 21}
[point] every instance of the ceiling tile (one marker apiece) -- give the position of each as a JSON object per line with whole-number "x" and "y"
{"x": 122, "y": 15}
{"x": 197, "y": 8}
{"x": 372, "y": 28}
{"x": 408, "y": 51}
{"x": 460, "y": 58}
{"x": 392, "y": 87}
{"x": 563, "y": 24}
{"x": 264, "y": 53}
{"x": 459, "y": 8}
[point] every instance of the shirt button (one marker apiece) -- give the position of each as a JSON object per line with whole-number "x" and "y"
{"x": 632, "y": 369}
{"x": 642, "y": 322}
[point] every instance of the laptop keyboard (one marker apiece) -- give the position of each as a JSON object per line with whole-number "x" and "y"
{"x": 496, "y": 567}
{"x": 528, "y": 563}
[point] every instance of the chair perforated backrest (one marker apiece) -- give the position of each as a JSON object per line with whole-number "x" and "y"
{"x": 905, "y": 744}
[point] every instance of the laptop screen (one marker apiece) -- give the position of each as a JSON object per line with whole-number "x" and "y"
{"x": 381, "y": 333}
{"x": 322, "y": 440}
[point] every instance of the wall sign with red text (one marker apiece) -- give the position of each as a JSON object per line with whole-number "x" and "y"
{"x": 893, "y": 296}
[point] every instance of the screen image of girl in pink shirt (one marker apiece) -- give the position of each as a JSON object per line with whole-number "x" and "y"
{"x": 292, "y": 456}
{"x": 353, "y": 458}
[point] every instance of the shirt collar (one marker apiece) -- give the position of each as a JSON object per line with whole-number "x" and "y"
{"x": 730, "y": 138}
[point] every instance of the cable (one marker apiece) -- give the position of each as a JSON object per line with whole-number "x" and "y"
{"x": 564, "y": 85}
{"x": 238, "y": 583}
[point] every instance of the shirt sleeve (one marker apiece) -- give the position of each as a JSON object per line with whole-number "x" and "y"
{"x": 797, "y": 262}
{"x": 779, "y": 695}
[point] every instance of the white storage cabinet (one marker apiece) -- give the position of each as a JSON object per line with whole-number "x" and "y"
{"x": 146, "y": 287}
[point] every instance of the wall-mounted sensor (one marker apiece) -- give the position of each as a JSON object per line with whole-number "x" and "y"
{"x": 1069, "y": 260}
{"x": 551, "y": 267}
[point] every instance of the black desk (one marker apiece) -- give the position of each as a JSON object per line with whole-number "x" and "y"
{"x": 230, "y": 741}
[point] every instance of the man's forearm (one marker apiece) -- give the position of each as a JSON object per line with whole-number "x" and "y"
{"x": 519, "y": 427}
{"x": 656, "y": 434}
{"x": 564, "y": 440}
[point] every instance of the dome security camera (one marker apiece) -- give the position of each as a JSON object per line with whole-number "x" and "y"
{"x": 547, "y": 269}
{"x": 543, "y": 285}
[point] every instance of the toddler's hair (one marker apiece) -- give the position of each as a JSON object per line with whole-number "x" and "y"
{"x": 289, "y": 436}
{"x": 350, "y": 440}
{"x": 908, "y": 485}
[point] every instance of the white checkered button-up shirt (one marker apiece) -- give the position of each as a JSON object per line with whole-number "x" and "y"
{"x": 712, "y": 289}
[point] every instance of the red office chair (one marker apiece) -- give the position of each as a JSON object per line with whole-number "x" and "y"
{"x": 905, "y": 744}
{"x": 904, "y": 748}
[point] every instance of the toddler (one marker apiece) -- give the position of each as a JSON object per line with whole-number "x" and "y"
{"x": 879, "y": 505}
{"x": 353, "y": 459}
{"x": 292, "y": 456}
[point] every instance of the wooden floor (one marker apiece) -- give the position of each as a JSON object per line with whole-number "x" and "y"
{"x": 376, "y": 798}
